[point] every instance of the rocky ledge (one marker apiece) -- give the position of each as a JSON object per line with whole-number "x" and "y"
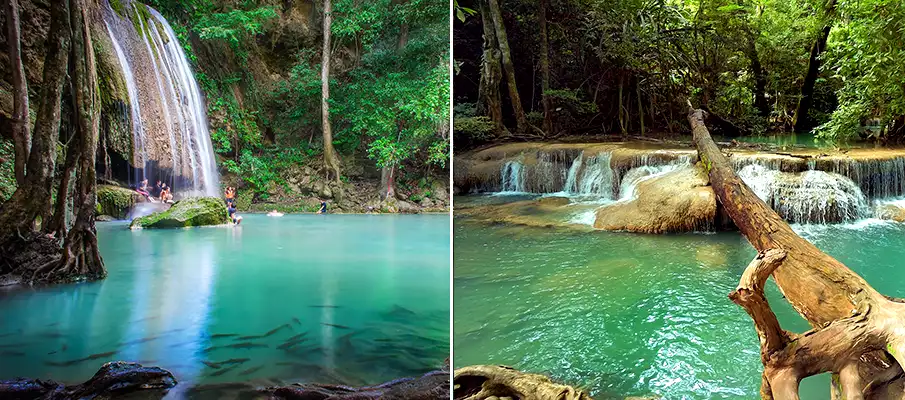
{"x": 192, "y": 211}
{"x": 113, "y": 380}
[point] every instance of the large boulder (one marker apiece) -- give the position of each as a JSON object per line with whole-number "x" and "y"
{"x": 193, "y": 211}
{"x": 116, "y": 201}
{"x": 677, "y": 201}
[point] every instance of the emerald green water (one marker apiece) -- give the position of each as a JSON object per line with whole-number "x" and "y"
{"x": 633, "y": 315}
{"x": 369, "y": 295}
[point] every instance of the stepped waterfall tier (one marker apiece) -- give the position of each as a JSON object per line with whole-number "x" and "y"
{"x": 171, "y": 140}
{"x": 810, "y": 188}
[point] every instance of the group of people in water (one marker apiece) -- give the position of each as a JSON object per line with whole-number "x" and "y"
{"x": 160, "y": 193}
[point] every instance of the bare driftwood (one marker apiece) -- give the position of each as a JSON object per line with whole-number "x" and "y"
{"x": 858, "y": 334}
{"x": 480, "y": 382}
{"x": 112, "y": 380}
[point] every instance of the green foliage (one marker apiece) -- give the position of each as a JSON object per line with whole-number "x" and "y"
{"x": 866, "y": 48}
{"x": 7, "y": 174}
{"x": 235, "y": 26}
{"x": 570, "y": 98}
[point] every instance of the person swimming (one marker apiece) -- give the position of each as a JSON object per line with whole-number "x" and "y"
{"x": 274, "y": 213}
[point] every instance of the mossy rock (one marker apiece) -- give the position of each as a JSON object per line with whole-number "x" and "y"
{"x": 193, "y": 211}
{"x": 115, "y": 201}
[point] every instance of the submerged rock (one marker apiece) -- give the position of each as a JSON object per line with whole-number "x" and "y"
{"x": 193, "y": 211}
{"x": 677, "y": 201}
{"x": 430, "y": 386}
{"x": 113, "y": 380}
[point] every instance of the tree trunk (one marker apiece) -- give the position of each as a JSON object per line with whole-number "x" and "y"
{"x": 760, "y": 80}
{"x": 490, "y": 103}
{"x": 857, "y": 331}
{"x": 387, "y": 183}
{"x": 18, "y": 214}
{"x": 521, "y": 122}
{"x": 545, "y": 67}
{"x": 57, "y": 224}
{"x": 81, "y": 256}
{"x": 802, "y": 121}
{"x": 331, "y": 160}
{"x": 20, "y": 121}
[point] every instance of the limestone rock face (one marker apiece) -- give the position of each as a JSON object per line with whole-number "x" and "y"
{"x": 193, "y": 211}
{"x": 678, "y": 201}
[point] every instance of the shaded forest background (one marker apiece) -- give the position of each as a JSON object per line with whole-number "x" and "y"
{"x": 827, "y": 67}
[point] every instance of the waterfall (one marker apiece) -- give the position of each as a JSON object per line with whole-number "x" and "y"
{"x": 512, "y": 178}
{"x": 809, "y": 197}
{"x": 597, "y": 178}
{"x": 169, "y": 121}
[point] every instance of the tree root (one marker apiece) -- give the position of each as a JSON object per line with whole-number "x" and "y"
{"x": 480, "y": 382}
{"x": 113, "y": 379}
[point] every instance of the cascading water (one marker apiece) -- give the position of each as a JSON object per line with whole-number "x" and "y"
{"x": 597, "y": 178}
{"x": 169, "y": 122}
{"x": 512, "y": 178}
{"x": 808, "y": 197}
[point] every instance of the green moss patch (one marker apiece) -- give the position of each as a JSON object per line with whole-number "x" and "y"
{"x": 193, "y": 211}
{"x": 114, "y": 201}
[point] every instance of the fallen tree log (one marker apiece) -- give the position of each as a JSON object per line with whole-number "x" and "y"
{"x": 858, "y": 334}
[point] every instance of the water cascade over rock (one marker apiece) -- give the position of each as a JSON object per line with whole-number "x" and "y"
{"x": 166, "y": 107}
{"x": 807, "y": 197}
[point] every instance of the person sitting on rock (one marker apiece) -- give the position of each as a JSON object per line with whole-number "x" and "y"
{"x": 323, "y": 209}
{"x": 143, "y": 189}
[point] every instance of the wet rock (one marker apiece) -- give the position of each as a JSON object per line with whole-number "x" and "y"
{"x": 114, "y": 379}
{"x": 104, "y": 218}
{"x": 116, "y": 201}
{"x": 431, "y": 386}
{"x": 193, "y": 211}
{"x": 678, "y": 201}
{"x": 890, "y": 211}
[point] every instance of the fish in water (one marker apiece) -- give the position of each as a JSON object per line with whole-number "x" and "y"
{"x": 268, "y": 334}
{"x": 277, "y": 329}
{"x": 81, "y": 360}
{"x": 210, "y": 364}
{"x": 251, "y": 370}
{"x": 139, "y": 341}
{"x": 222, "y": 335}
{"x": 10, "y": 353}
{"x": 336, "y": 326}
{"x": 296, "y": 320}
{"x": 324, "y": 306}
{"x": 247, "y": 345}
{"x": 291, "y": 343}
{"x": 224, "y": 370}
{"x": 234, "y": 361}
{"x": 52, "y": 335}
{"x": 297, "y": 337}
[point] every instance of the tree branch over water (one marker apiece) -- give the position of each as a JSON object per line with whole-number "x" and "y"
{"x": 857, "y": 332}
